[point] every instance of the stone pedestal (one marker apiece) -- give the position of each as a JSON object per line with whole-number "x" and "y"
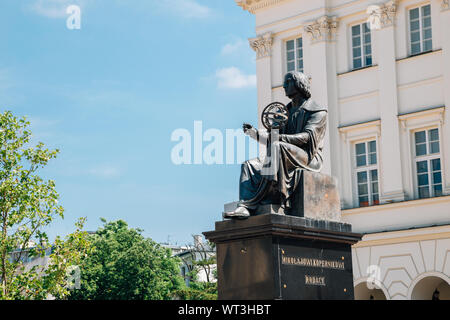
{"x": 316, "y": 197}
{"x": 275, "y": 256}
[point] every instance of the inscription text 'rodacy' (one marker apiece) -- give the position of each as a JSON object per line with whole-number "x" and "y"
{"x": 312, "y": 262}
{"x": 315, "y": 281}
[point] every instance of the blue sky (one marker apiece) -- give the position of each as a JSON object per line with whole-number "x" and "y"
{"x": 110, "y": 95}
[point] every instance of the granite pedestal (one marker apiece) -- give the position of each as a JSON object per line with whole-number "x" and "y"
{"x": 306, "y": 255}
{"x": 275, "y": 256}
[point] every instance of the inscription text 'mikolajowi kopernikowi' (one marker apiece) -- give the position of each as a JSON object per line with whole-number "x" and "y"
{"x": 314, "y": 263}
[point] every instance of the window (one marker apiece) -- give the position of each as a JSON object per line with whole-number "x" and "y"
{"x": 420, "y": 29}
{"x": 361, "y": 46}
{"x": 294, "y": 55}
{"x": 367, "y": 173}
{"x": 428, "y": 163}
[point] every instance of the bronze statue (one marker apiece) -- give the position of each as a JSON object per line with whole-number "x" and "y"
{"x": 297, "y": 146}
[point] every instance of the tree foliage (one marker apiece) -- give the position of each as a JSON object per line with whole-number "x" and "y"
{"x": 126, "y": 266}
{"x": 28, "y": 204}
{"x": 197, "y": 290}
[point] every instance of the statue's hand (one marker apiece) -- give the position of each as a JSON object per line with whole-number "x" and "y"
{"x": 250, "y": 131}
{"x": 246, "y": 126}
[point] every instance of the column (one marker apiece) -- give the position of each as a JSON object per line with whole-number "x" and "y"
{"x": 383, "y": 24}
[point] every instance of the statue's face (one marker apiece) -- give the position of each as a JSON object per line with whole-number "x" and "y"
{"x": 290, "y": 87}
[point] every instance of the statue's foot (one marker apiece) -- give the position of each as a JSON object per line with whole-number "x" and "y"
{"x": 239, "y": 213}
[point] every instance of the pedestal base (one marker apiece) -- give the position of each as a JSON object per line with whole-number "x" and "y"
{"x": 283, "y": 257}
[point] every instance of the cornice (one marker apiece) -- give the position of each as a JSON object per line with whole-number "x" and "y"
{"x": 253, "y": 5}
{"x": 438, "y": 111}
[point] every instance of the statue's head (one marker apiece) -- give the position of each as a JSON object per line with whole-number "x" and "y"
{"x": 297, "y": 83}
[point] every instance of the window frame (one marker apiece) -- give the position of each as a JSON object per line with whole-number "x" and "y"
{"x": 295, "y": 50}
{"x": 421, "y": 29}
{"x": 362, "y": 45}
{"x": 368, "y": 168}
{"x": 428, "y": 157}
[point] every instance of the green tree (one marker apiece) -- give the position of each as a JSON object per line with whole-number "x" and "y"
{"x": 125, "y": 265}
{"x": 28, "y": 204}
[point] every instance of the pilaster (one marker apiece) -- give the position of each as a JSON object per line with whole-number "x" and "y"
{"x": 382, "y": 22}
{"x": 263, "y": 48}
{"x": 322, "y": 33}
{"x": 445, "y": 41}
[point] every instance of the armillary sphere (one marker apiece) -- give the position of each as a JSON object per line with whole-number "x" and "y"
{"x": 274, "y": 116}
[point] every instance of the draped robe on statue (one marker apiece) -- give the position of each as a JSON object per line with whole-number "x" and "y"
{"x": 300, "y": 147}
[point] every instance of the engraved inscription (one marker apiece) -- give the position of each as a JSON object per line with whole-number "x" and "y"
{"x": 312, "y": 262}
{"x": 315, "y": 280}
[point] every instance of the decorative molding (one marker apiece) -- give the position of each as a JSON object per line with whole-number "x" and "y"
{"x": 253, "y": 5}
{"x": 389, "y": 207}
{"x": 262, "y": 45}
{"x": 322, "y": 29}
{"x": 353, "y": 71}
{"x": 445, "y": 5}
{"x": 403, "y": 124}
{"x": 436, "y": 111}
{"x": 381, "y": 16}
{"x": 360, "y": 125}
{"x": 378, "y": 130}
{"x": 403, "y": 239}
{"x": 419, "y": 55}
{"x": 422, "y": 113}
{"x": 360, "y": 131}
{"x": 420, "y": 83}
{"x": 359, "y": 96}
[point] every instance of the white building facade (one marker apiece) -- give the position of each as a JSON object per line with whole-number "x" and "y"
{"x": 383, "y": 70}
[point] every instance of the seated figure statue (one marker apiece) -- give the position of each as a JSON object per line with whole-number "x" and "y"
{"x": 298, "y": 146}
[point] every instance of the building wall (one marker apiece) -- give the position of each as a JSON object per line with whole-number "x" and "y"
{"x": 386, "y": 102}
{"x": 400, "y": 261}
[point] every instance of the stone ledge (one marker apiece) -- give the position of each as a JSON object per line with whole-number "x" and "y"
{"x": 285, "y": 226}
